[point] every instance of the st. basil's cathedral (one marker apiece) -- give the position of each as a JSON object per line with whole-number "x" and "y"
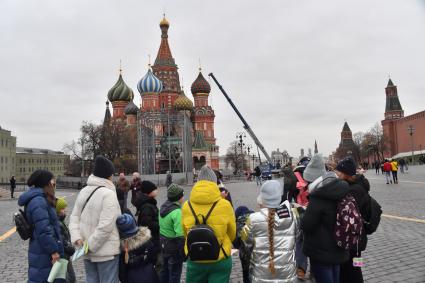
{"x": 169, "y": 126}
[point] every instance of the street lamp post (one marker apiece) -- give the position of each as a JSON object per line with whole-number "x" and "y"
{"x": 253, "y": 159}
{"x": 240, "y": 136}
{"x": 248, "y": 148}
{"x": 411, "y": 130}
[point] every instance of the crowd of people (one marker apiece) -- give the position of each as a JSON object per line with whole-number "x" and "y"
{"x": 319, "y": 218}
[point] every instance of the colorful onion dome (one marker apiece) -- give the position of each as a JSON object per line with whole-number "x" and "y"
{"x": 131, "y": 109}
{"x": 183, "y": 102}
{"x": 120, "y": 91}
{"x": 149, "y": 83}
{"x": 164, "y": 22}
{"x": 200, "y": 85}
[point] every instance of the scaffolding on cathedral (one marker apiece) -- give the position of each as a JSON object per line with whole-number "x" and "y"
{"x": 164, "y": 140}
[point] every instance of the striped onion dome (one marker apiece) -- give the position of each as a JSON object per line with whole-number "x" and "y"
{"x": 131, "y": 109}
{"x": 120, "y": 91}
{"x": 200, "y": 85}
{"x": 149, "y": 83}
{"x": 183, "y": 102}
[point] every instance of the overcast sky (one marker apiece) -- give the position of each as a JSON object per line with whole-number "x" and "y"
{"x": 295, "y": 69}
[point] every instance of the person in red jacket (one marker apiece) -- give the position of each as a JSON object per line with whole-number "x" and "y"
{"x": 387, "y": 171}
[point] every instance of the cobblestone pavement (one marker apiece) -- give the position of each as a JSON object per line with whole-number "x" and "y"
{"x": 395, "y": 252}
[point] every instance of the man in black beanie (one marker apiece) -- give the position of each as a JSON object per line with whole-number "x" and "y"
{"x": 359, "y": 189}
{"x": 147, "y": 212}
{"x": 93, "y": 222}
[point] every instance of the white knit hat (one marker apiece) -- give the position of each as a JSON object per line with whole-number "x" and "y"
{"x": 314, "y": 169}
{"x": 270, "y": 194}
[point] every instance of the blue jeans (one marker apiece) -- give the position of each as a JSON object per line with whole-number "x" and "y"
{"x": 325, "y": 273}
{"x": 300, "y": 257}
{"x": 171, "y": 269}
{"x": 102, "y": 272}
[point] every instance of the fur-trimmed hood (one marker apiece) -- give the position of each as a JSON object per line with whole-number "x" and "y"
{"x": 138, "y": 240}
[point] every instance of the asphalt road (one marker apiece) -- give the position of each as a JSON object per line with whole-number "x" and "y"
{"x": 395, "y": 252}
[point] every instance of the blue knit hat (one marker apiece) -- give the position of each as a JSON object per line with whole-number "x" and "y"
{"x": 127, "y": 226}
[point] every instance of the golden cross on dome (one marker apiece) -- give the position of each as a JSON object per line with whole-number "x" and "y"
{"x": 200, "y": 68}
{"x": 149, "y": 60}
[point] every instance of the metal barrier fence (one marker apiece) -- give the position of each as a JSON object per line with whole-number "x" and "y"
{"x": 20, "y": 187}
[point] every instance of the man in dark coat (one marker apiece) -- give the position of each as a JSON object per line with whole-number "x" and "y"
{"x": 318, "y": 223}
{"x": 359, "y": 188}
{"x": 148, "y": 212}
{"x": 12, "y": 186}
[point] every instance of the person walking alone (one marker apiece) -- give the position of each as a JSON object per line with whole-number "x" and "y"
{"x": 387, "y": 171}
{"x": 93, "y": 221}
{"x": 257, "y": 172}
{"x": 12, "y": 186}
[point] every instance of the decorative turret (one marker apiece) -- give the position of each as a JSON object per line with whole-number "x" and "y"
{"x": 200, "y": 85}
{"x": 149, "y": 87}
{"x": 183, "y": 102}
{"x": 131, "y": 113}
{"x": 149, "y": 84}
{"x": 120, "y": 94}
{"x": 393, "y": 108}
{"x": 107, "y": 114}
{"x": 120, "y": 91}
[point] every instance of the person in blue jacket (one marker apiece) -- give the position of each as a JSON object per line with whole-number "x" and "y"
{"x": 45, "y": 246}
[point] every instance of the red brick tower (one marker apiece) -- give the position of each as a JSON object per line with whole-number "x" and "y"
{"x": 203, "y": 123}
{"x": 165, "y": 69}
{"x": 393, "y": 112}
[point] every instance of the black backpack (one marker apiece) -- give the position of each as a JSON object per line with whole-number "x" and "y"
{"x": 202, "y": 244}
{"x": 375, "y": 216}
{"x": 22, "y": 226}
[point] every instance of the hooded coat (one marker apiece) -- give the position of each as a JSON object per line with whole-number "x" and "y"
{"x": 141, "y": 259}
{"x": 96, "y": 223}
{"x": 45, "y": 239}
{"x": 222, "y": 219}
{"x": 148, "y": 214}
{"x": 319, "y": 220}
{"x": 170, "y": 223}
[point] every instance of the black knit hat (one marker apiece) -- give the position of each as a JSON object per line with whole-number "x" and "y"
{"x": 148, "y": 187}
{"x": 347, "y": 166}
{"x": 103, "y": 167}
{"x": 40, "y": 178}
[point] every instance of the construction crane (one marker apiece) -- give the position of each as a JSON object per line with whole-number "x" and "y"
{"x": 245, "y": 124}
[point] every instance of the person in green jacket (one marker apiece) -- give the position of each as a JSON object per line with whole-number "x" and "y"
{"x": 171, "y": 235}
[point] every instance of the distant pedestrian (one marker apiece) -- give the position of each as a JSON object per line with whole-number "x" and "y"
{"x": 12, "y": 186}
{"x": 394, "y": 169}
{"x": 387, "y": 170}
{"x": 207, "y": 207}
{"x": 93, "y": 221}
{"x": 123, "y": 186}
{"x": 69, "y": 249}
{"x": 289, "y": 184}
{"x": 135, "y": 187}
{"x": 171, "y": 235}
{"x": 169, "y": 179}
{"x": 271, "y": 235}
{"x": 402, "y": 164}
{"x": 137, "y": 256}
{"x": 45, "y": 247}
{"x": 318, "y": 224}
{"x": 257, "y": 172}
{"x": 377, "y": 167}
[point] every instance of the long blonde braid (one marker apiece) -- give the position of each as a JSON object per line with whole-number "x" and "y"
{"x": 271, "y": 215}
